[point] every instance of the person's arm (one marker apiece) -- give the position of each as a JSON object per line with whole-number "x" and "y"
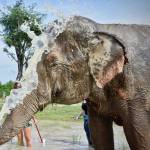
{"x": 81, "y": 114}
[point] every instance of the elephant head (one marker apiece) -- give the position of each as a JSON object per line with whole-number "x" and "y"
{"x": 67, "y": 74}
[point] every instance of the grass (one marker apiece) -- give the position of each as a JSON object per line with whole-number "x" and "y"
{"x": 59, "y": 112}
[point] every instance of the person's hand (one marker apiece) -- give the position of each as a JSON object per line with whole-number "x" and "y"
{"x": 34, "y": 120}
{"x": 77, "y": 118}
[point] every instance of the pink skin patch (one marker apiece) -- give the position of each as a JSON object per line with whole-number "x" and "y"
{"x": 111, "y": 72}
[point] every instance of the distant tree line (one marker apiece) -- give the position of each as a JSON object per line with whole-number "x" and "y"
{"x": 5, "y": 89}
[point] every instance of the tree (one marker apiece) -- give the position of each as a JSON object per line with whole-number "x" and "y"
{"x": 5, "y": 88}
{"x": 14, "y": 36}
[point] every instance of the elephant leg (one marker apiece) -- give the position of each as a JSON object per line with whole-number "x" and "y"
{"x": 137, "y": 129}
{"x": 101, "y": 131}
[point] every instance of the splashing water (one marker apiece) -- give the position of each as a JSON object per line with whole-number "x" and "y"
{"x": 42, "y": 43}
{"x": 29, "y": 80}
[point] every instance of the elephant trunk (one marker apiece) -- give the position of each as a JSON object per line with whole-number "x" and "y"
{"x": 21, "y": 115}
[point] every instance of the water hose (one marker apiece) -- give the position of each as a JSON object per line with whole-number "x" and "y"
{"x": 41, "y": 139}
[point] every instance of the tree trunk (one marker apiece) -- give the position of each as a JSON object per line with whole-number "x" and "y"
{"x": 20, "y": 68}
{"x": 20, "y": 71}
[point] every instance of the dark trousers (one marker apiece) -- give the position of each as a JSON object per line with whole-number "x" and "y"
{"x": 87, "y": 131}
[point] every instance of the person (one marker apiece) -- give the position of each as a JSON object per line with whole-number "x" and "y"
{"x": 84, "y": 113}
{"x": 26, "y": 130}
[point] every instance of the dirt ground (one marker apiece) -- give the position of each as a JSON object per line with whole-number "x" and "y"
{"x": 64, "y": 136}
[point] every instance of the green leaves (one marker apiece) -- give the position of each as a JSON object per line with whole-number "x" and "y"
{"x": 13, "y": 36}
{"x": 12, "y": 21}
{"x": 5, "y": 88}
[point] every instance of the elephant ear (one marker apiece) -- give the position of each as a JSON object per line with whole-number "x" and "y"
{"x": 106, "y": 58}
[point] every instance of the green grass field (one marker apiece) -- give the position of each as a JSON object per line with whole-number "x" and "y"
{"x": 59, "y": 112}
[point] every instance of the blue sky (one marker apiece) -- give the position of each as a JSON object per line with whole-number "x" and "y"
{"x": 102, "y": 11}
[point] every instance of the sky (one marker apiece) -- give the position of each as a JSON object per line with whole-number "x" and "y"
{"x": 102, "y": 11}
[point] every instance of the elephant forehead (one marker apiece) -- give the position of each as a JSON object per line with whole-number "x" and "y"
{"x": 51, "y": 57}
{"x": 55, "y": 55}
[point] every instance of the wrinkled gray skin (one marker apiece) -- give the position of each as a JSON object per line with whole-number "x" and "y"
{"x": 107, "y": 63}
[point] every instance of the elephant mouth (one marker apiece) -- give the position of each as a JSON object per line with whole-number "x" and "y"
{"x": 57, "y": 93}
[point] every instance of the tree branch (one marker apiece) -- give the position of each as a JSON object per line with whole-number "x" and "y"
{"x": 12, "y": 55}
{"x": 26, "y": 60}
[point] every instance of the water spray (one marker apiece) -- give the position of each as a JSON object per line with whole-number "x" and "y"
{"x": 29, "y": 80}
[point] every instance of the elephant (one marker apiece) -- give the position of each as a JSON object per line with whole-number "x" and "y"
{"x": 109, "y": 64}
